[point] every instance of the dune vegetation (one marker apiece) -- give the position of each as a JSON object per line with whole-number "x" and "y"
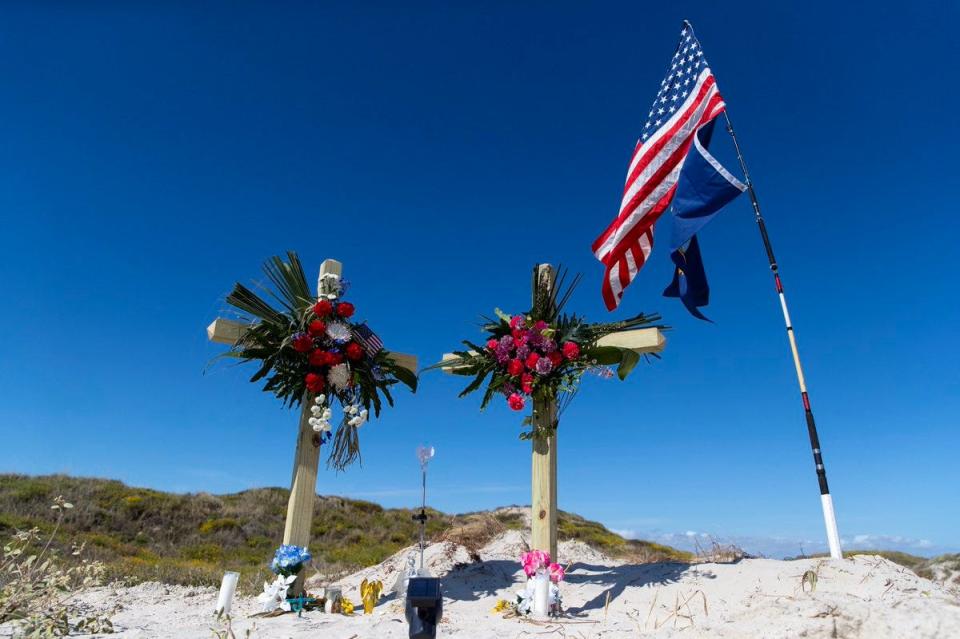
{"x": 141, "y": 534}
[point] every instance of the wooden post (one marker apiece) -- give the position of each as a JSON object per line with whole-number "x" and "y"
{"x": 543, "y": 504}
{"x": 303, "y": 486}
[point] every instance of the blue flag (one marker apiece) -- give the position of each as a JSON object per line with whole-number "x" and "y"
{"x": 689, "y": 279}
{"x": 704, "y": 187}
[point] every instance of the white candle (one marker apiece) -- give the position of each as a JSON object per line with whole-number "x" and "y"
{"x": 541, "y": 593}
{"x": 227, "y": 589}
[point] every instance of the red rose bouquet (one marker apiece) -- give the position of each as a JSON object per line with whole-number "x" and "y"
{"x": 311, "y": 350}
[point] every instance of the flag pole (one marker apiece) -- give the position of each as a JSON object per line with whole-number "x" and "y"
{"x": 829, "y": 518}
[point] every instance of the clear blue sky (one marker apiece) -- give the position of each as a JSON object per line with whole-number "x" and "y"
{"x": 150, "y": 156}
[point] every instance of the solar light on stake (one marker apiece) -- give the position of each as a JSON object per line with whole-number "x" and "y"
{"x": 424, "y": 455}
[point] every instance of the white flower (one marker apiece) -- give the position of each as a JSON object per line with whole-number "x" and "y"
{"x": 359, "y": 420}
{"x": 352, "y": 409}
{"x": 316, "y": 410}
{"x": 313, "y": 421}
{"x": 554, "y": 594}
{"x": 339, "y": 376}
{"x": 525, "y": 598}
{"x": 327, "y": 414}
{"x": 274, "y": 594}
{"x": 320, "y": 399}
{"x": 339, "y": 332}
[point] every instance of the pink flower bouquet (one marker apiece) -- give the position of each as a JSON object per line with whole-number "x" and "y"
{"x": 535, "y": 560}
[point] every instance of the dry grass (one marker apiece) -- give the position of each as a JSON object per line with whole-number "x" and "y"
{"x": 718, "y": 553}
{"x": 474, "y": 533}
{"x": 148, "y": 535}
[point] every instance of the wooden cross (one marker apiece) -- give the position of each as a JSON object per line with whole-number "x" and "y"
{"x": 303, "y": 486}
{"x": 543, "y": 505}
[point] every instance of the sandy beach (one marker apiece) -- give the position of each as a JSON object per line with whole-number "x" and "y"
{"x": 865, "y": 596}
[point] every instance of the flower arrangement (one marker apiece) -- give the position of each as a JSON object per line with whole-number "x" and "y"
{"x": 542, "y": 353}
{"x": 536, "y": 560}
{"x": 289, "y": 560}
{"x": 274, "y": 595}
{"x": 536, "y": 564}
{"x": 312, "y": 349}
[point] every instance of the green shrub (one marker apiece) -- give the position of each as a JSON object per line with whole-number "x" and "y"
{"x": 191, "y": 539}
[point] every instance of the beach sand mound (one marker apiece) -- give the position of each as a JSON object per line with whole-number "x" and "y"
{"x": 865, "y": 596}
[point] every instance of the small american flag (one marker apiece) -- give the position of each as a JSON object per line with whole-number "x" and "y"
{"x": 367, "y": 339}
{"x": 687, "y": 100}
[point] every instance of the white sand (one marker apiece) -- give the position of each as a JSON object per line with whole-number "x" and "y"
{"x": 867, "y": 597}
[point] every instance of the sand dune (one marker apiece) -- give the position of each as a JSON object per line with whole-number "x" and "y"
{"x": 866, "y": 596}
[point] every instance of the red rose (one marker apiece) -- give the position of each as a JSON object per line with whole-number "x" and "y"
{"x": 532, "y": 360}
{"x": 302, "y": 343}
{"x": 517, "y": 334}
{"x": 323, "y": 308}
{"x": 354, "y": 351}
{"x": 315, "y": 383}
{"x": 556, "y": 358}
{"x": 319, "y": 357}
{"x": 526, "y": 383}
{"x": 334, "y": 358}
{"x": 516, "y": 401}
{"x": 317, "y": 328}
{"x": 515, "y": 367}
{"x": 492, "y": 344}
{"x": 571, "y": 350}
{"x": 345, "y": 309}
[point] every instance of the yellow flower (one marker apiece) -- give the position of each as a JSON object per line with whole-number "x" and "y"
{"x": 346, "y": 606}
{"x": 502, "y": 605}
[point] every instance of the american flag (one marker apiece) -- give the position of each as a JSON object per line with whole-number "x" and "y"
{"x": 367, "y": 339}
{"x": 687, "y": 100}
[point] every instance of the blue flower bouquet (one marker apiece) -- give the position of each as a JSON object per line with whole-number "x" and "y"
{"x": 289, "y": 560}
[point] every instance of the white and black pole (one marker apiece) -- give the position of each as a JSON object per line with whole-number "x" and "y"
{"x": 829, "y": 518}
{"x": 424, "y": 455}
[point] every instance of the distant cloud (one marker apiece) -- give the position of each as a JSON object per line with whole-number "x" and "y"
{"x": 888, "y": 541}
{"x": 779, "y": 547}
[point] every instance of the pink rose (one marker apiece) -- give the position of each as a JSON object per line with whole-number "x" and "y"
{"x": 533, "y": 561}
{"x": 518, "y": 321}
{"x": 571, "y": 350}
{"x": 556, "y": 573}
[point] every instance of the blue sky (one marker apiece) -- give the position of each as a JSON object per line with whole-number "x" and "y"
{"x": 153, "y": 155}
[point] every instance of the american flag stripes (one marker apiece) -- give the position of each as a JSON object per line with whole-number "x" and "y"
{"x": 369, "y": 340}
{"x": 688, "y": 99}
